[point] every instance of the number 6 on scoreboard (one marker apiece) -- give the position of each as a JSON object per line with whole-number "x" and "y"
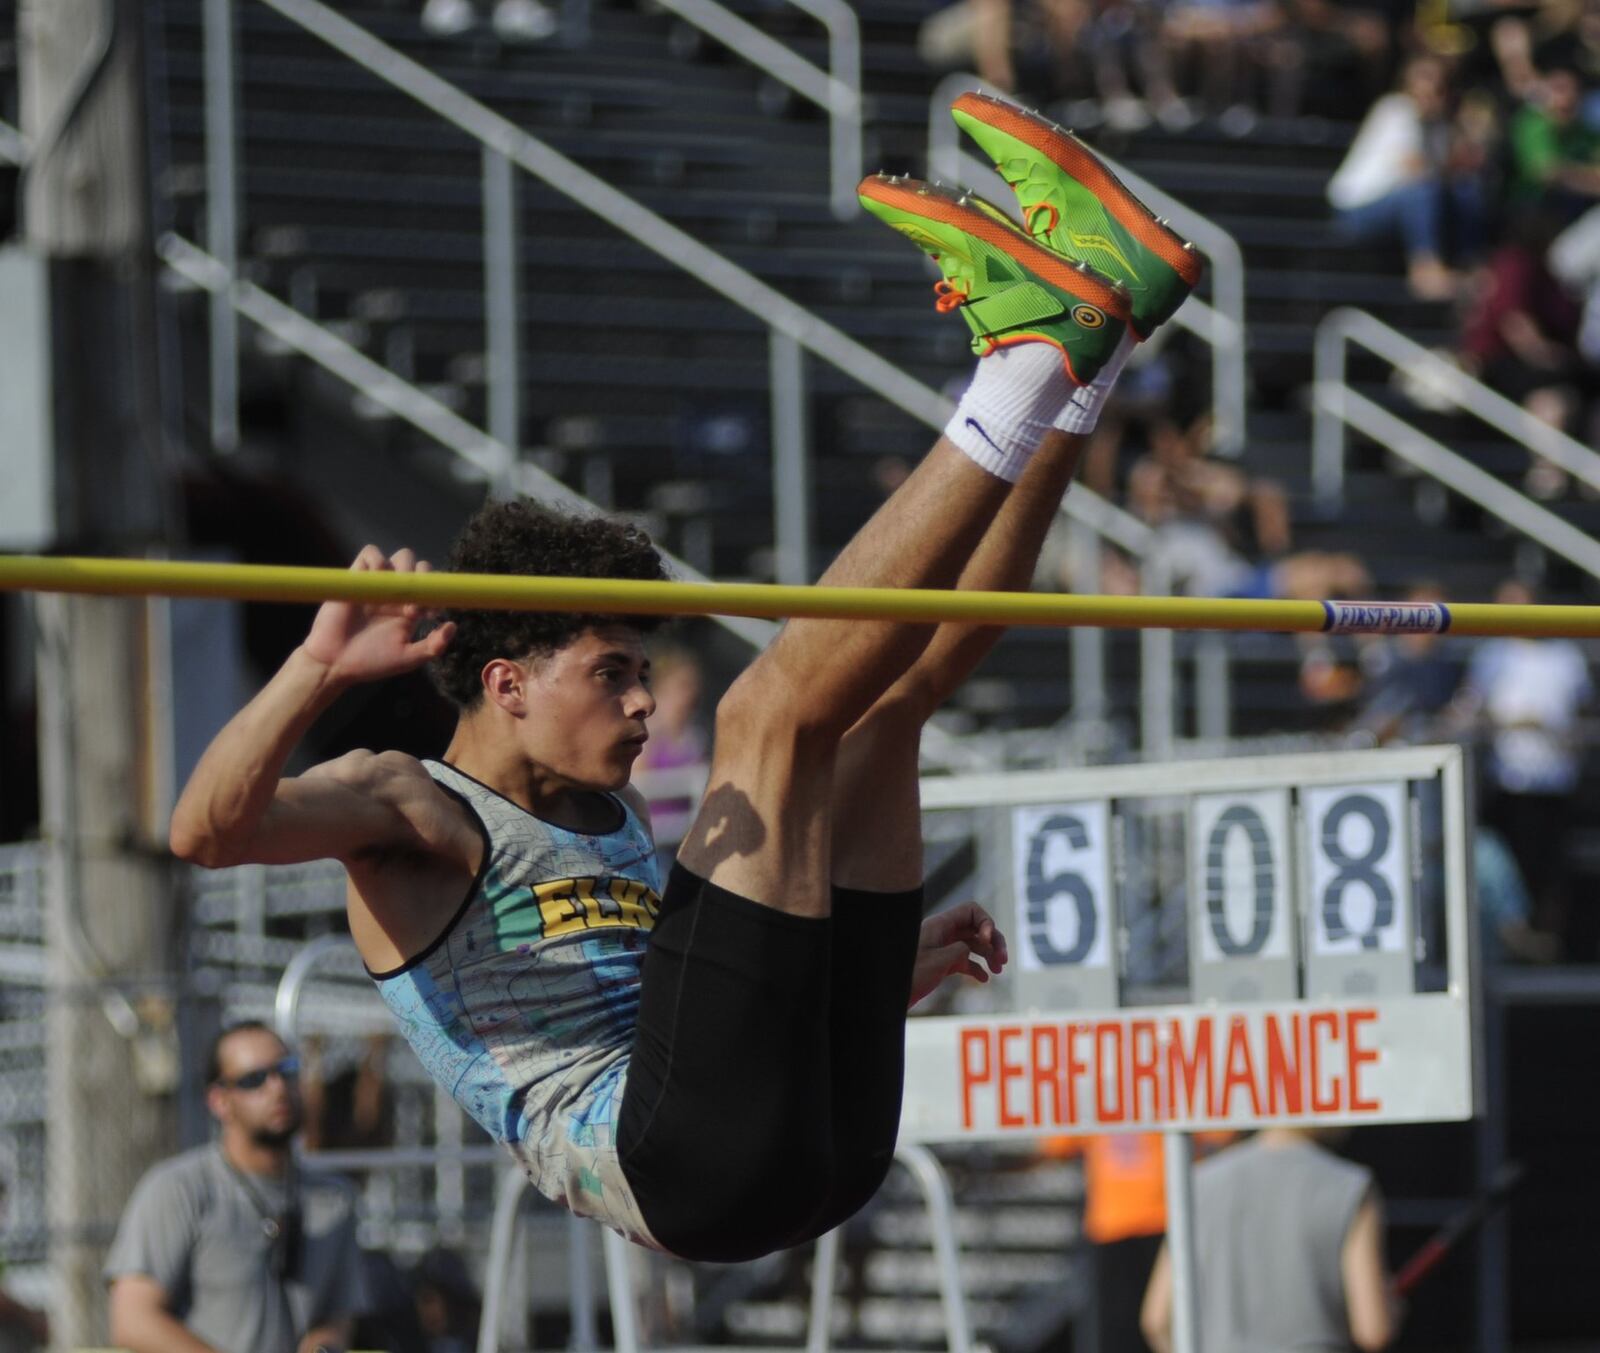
{"x": 1062, "y": 933}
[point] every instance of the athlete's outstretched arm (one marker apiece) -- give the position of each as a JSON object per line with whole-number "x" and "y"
{"x": 237, "y": 809}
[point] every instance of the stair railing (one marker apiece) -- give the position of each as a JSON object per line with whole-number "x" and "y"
{"x": 1339, "y": 406}
{"x": 793, "y": 330}
{"x": 1347, "y": 327}
{"x": 1219, "y": 324}
{"x": 837, "y": 91}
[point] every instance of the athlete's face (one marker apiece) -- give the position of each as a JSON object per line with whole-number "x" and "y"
{"x": 258, "y": 1092}
{"x": 586, "y": 708}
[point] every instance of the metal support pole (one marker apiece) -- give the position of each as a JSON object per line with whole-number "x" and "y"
{"x": 844, "y": 114}
{"x": 1494, "y": 1254}
{"x": 449, "y": 1176}
{"x": 502, "y": 1233}
{"x": 824, "y": 1268}
{"x": 502, "y": 293}
{"x": 1178, "y": 1151}
{"x": 1213, "y": 688}
{"x": 791, "y": 489}
{"x": 619, "y": 1286}
{"x": 1088, "y": 641}
{"x": 930, "y": 1178}
{"x": 222, "y": 220}
{"x": 286, "y": 1002}
{"x": 580, "y": 1286}
{"x": 1156, "y": 685}
{"x": 1327, "y": 427}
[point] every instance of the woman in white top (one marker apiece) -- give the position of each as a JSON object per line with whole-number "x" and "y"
{"x": 1395, "y": 177}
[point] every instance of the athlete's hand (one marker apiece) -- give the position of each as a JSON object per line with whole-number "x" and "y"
{"x": 952, "y": 944}
{"x": 358, "y": 642}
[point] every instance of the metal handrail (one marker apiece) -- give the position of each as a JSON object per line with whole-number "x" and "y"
{"x": 917, "y": 1159}
{"x": 375, "y": 382}
{"x": 404, "y": 400}
{"x": 1220, "y": 324}
{"x": 1346, "y": 326}
{"x": 1459, "y": 474}
{"x": 792, "y": 327}
{"x": 659, "y": 235}
{"x": 837, "y": 90}
{"x": 13, "y": 149}
{"x": 286, "y": 1002}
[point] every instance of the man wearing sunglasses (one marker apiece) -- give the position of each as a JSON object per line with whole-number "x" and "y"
{"x": 231, "y": 1248}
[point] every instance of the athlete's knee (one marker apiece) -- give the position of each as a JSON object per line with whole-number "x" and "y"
{"x": 767, "y": 706}
{"x": 856, "y": 1182}
{"x": 758, "y": 1198}
{"x": 895, "y": 721}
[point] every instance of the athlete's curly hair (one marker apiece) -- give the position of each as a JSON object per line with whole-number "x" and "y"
{"x": 524, "y": 538}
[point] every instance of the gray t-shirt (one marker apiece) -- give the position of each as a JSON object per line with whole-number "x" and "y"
{"x": 194, "y": 1227}
{"x": 1270, "y": 1223}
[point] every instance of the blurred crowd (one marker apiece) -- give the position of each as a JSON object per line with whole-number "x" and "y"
{"x": 1477, "y": 156}
{"x": 1519, "y": 703}
{"x": 511, "y": 21}
{"x": 1484, "y": 167}
{"x": 1132, "y": 62}
{"x": 1477, "y": 153}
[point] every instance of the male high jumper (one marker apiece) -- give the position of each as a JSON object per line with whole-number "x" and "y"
{"x": 716, "y": 1071}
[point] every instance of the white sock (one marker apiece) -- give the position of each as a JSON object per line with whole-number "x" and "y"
{"x": 1082, "y": 410}
{"x": 1015, "y": 394}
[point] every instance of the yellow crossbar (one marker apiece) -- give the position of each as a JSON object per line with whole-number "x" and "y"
{"x": 261, "y": 582}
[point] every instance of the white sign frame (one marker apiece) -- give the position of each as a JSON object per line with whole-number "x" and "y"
{"x": 1430, "y": 1053}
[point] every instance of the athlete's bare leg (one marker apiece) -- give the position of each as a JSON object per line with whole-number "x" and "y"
{"x": 765, "y": 826}
{"x": 877, "y": 816}
{"x": 1045, "y": 326}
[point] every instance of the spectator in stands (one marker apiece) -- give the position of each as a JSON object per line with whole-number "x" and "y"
{"x": 352, "y": 1110}
{"x": 1327, "y": 41}
{"x": 514, "y": 21}
{"x": 1124, "y": 45}
{"x": 1403, "y": 176}
{"x": 1016, "y": 47}
{"x": 1221, "y": 534}
{"x": 1573, "y": 41}
{"x": 1555, "y": 158}
{"x": 1504, "y": 907}
{"x": 1511, "y": 42}
{"x": 230, "y": 1246}
{"x": 1222, "y": 42}
{"x": 1521, "y": 338}
{"x": 678, "y": 742}
{"x": 1289, "y": 1248}
{"x": 1574, "y": 261}
{"x": 1060, "y": 48}
{"x": 448, "y": 1307}
{"x": 1525, "y": 695}
{"x": 1410, "y": 680}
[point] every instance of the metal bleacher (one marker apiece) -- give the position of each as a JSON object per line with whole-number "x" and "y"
{"x": 649, "y": 392}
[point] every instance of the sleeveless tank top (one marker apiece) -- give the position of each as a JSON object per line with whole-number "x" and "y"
{"x": 524, "y": 1008}
{"x": 1270, "y": 1223}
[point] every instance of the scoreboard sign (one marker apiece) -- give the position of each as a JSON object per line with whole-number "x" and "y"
{"x": 1300, "y": 893}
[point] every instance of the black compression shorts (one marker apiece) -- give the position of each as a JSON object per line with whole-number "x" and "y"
{"x": 763, "y": 1094}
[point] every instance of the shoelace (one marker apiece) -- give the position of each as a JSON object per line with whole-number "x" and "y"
{"x": 947, "y": 296}
{"x": 1033, "y": 211}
